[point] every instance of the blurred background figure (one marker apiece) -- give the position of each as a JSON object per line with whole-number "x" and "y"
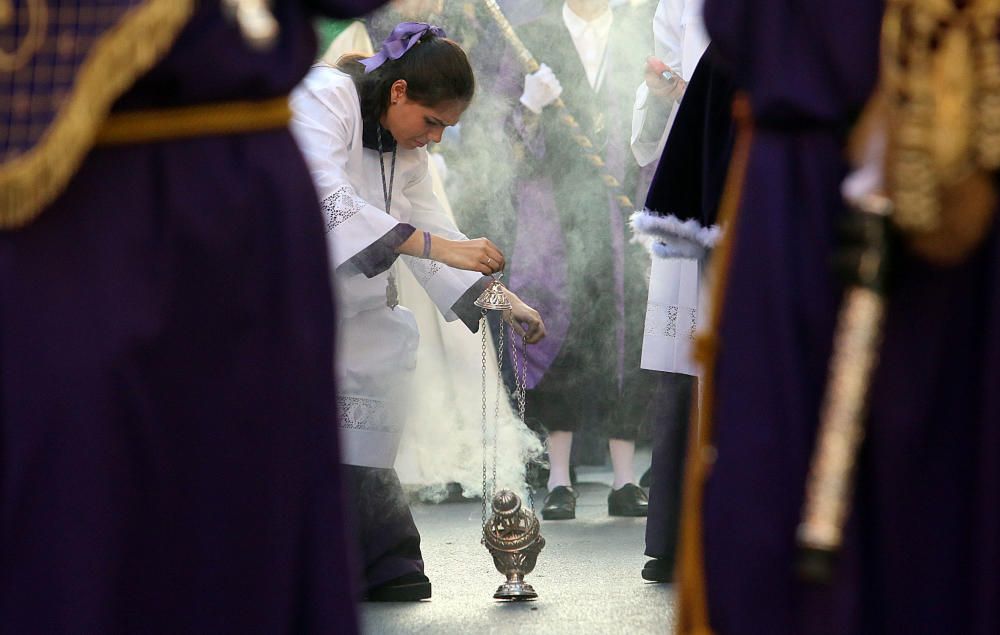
{"x": 679, "y": 40}
{"x": 678, "y": 226}
{"x": 167, "y": 438}
{"x": 571, "y": 255}
{"x": 918, "y": 550}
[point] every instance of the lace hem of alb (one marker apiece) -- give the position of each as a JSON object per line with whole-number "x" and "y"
{"x": 671, "y": 321}
{"x": 341, "y": 206}
{"x": 364, "y": 413}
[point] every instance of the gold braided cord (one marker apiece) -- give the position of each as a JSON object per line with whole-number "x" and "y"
{"x": 127, "y": 51}
{"x": 570, "y": 123}
{"x": 941, "y": 80}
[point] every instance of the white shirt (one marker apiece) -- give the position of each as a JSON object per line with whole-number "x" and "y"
{"x": 591, "y": 41}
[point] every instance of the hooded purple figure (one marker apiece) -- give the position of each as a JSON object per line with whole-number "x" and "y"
{"x": 922, "y": 552}
{"x": 168, "y": 449}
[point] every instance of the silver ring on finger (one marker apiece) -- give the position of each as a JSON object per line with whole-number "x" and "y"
{"x": 489, "y": 261}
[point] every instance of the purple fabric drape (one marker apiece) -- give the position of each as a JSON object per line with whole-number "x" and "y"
{"x": 924, "y": 534}
{"x": 168, "y": 447}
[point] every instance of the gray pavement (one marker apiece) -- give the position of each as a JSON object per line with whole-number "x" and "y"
{"x": 587, "y": 576}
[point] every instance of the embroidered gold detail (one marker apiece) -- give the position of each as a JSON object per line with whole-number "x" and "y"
{"x": 941, "y": 84}
{"x": 124, "y": 53}
{"x": 38, "y": 23}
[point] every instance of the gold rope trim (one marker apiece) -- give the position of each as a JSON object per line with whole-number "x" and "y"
{"x": 692, "y": 594}
{"x": 123, "y": 54}
{"x": 148, "y": 126}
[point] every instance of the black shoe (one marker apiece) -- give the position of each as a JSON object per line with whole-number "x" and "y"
{"x": 411, "y": 587}
{"x": 630, "y": 500}
{"x": 646, "y": 478}
{"x": 658, "y": 570}
{"x": 560, "y": 504}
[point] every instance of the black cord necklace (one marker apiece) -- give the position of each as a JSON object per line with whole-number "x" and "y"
{"x": 391, "y": 289}
{"x": 386, "y": 189}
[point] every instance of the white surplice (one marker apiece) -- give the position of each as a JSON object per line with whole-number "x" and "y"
{"x": 376, "y": 347}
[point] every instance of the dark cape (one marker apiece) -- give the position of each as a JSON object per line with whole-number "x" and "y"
{"x": 168, "y": 449}
{"x": 923, "y": 539}
{"x": 683, "y": 200}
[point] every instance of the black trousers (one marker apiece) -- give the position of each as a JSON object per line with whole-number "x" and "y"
{"x": 670, "y": 432}
{"x": 386, "y": 533}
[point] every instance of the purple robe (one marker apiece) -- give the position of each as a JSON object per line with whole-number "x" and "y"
{"x": 923, "y": 539}
{"x": 168, "y": 449}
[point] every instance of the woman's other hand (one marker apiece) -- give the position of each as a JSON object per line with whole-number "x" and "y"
{"x": 525, "y": 321}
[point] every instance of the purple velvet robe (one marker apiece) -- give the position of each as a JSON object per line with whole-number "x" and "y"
{"x": 923, "y": 539}
{"x": 168, "y": 450}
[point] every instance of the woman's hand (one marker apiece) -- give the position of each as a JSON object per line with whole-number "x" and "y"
{"x": 477, "y": 254}
{"x": 525, "y": 321}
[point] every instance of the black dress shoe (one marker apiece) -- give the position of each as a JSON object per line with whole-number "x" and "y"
{"x": 658, "y": 570}
{"x": 560, "y": 504}
{"x": 630, "y": 500}
{"x": 411, "y": 587}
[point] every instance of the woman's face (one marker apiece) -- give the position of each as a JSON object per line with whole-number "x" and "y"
{"x": 414, "y": 125}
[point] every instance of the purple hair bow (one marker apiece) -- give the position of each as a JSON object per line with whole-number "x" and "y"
{"x": 404, "y": 37}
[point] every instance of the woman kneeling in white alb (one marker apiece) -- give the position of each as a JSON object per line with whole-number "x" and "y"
{"x": 362, "y": 126}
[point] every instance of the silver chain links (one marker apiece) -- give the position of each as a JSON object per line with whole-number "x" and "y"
{"x": 490, "y": 433}
{"x": 483, "y": 328}
{"x": 496, "y": 406}
{"x": 520, "y": 388}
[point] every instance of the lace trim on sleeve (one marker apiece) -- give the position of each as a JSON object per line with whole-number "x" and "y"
{"x": 341, "y": 206}
{"x": 428, "y": 269}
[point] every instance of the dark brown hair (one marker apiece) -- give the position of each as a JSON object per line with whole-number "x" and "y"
{"x": 436, "y": 70}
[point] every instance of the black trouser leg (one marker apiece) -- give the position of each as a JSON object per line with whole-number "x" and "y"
{"x": 670, "y": 431}
{"x": 390, "y": 542}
